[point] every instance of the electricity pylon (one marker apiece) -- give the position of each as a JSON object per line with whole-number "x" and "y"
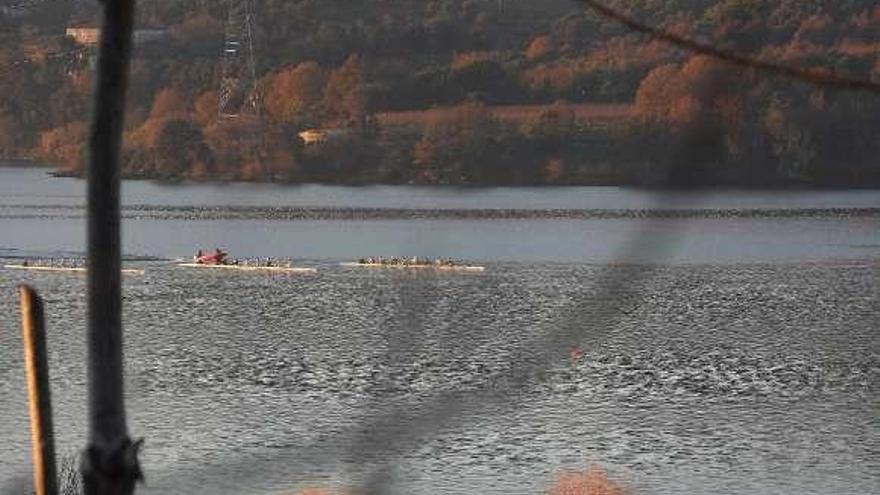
{"x": 238, "y": 86}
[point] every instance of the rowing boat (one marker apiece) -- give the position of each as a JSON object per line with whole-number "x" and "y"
{"x": 252, "y": 268}
{"x": 460, "y": 268}
{"x": 63, "y": 269}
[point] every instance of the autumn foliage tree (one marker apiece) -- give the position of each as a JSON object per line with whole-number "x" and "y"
{"x": 294, "y": 94}
{"x": 206, "y": 108}
{"x": 169, "y": 103}
{"x": 180, "y": 150}
{"x": 478, "y": 74}
{"x": 457, "y": 149}
{"x": 344, "y": 96}
{"x": 699, "y": 107}
{"x": 538, "y": 48}
{"x": 681, "y": 96}
{"x": 549, "y": 134}
{"x": 64, "y": 146}
{"x": 554, "y": 124}
{"x": 658, "y": 92}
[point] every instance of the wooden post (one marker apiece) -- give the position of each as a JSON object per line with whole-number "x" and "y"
{"x": 39, "y": 398}
{"x": 110, "y": 465}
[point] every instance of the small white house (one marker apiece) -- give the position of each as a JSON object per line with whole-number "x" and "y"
{"x": 313, "y": 137}
{"x": 91, "y": 36}
{"x": 84, "y": 36}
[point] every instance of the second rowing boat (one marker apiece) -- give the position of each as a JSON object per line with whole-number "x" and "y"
{"x": 66, "y": 269}
{"x": 460, "y": 268}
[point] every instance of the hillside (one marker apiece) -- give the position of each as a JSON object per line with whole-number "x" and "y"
{"x": 360, "y": 67}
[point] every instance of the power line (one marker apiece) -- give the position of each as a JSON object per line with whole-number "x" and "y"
{"x": 819, "y": 77}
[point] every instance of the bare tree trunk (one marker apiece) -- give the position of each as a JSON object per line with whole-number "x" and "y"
{"x": 110, "y": 465}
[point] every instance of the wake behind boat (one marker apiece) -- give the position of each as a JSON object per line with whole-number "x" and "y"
{"x": 415, "y": 263}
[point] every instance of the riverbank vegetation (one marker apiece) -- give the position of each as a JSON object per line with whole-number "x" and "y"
{"x": 466, "y": 92}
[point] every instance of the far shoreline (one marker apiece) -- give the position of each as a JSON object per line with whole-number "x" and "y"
{"x": 24, "y": 162}
{"x": 716, "y": 187}
{"x": 55, "y": 172}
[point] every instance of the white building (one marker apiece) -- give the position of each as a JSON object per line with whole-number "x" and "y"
{"x": 91, "y": 36}
{"x": 321, "y": 136}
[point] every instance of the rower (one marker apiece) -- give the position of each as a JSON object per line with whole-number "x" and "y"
{"x": 219, "y": 256}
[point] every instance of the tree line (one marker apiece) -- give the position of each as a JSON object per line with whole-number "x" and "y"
{"x": 333, "y": 65}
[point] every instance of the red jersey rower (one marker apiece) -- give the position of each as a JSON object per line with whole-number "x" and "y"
{"x": 218, "y": 257}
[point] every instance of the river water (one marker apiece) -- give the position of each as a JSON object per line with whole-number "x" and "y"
{"x": 728, "y": 340}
